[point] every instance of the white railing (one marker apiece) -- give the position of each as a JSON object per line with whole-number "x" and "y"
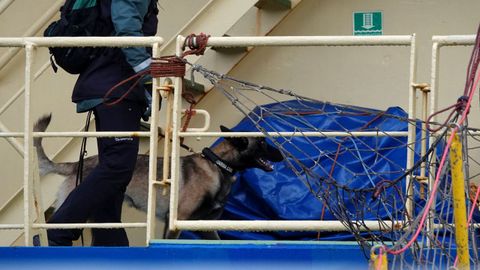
{"x": 437, "y": 43}
{"x": 30, "y": 44}
{"x": 292, "y": 225}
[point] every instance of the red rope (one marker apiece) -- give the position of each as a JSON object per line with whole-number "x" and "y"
{"x": 137, "y": 76}
{"x": 458, "y": 107}
{"x": 189, "y": 113}
{"x": 196, "y": 43}
{"x": 166, "y": 66}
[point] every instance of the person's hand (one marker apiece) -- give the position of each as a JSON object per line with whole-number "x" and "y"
{"x": 148, "y": 109}
{"x": 146, "y": 80}
{"x": 146, "y": 83}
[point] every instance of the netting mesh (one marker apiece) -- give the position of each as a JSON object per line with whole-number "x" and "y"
{"x": 343, "y": 172}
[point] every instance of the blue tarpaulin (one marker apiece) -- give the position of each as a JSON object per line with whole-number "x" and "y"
{"x": 281, "y": 195}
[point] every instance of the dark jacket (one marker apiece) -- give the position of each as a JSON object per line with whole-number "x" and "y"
{"x": 113, "y": 65}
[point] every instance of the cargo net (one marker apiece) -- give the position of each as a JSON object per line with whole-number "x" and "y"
{"x": 362, "y": 180}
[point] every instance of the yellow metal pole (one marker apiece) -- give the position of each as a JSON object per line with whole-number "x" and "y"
{"x": 378, "y": 261}
{"x": 459, "y": 204}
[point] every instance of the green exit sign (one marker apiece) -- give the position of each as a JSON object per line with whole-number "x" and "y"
{"x": 367, "y": 23}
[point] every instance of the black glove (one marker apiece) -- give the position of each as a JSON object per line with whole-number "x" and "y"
{"x": 146, "y": 83}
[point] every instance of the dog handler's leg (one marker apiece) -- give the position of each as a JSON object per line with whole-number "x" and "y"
{"x": 120, "y": 154}
{"x": 117, "y": 158}
{"x": 110, "y": 212}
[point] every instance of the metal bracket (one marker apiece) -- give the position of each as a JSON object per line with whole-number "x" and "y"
{"x": 424, "y": 87}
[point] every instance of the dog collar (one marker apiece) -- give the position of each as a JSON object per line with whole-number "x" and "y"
{"x": 208, "y": 154}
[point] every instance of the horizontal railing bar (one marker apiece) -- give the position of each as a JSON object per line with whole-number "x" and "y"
{"x": 454, "y": 40}
{"x": 292, "y": 225}
{"x": 12, "y": 226}
{"x": 279, "y": 225}
{"x": 80, "y": 134}
{"x": 88, "y": 225}
{"x": 394, "y": 40}
{"x": 400, "y": 40}
{"x": 315, "y": 225}
{"x": 211, "y": 134}
{"x": 79, "y": 41}
{"x": 297, "y": 134}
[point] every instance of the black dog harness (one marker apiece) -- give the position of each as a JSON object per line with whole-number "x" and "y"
{"x": 208, "y": 154}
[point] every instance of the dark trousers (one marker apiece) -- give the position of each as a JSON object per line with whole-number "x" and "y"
{"x": 99, "y": 196}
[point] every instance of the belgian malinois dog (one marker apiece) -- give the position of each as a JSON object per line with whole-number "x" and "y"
{"x": 205, "y": 178}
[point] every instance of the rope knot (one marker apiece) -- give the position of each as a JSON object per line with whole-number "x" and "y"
{"x": 196, "y": 43}
{"x": 462, "y": 104}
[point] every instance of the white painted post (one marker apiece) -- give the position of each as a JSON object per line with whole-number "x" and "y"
{"x": 433, "y": 109}
{"x": 437, "y": 43}
{"x": 28, "y": 144}
{"x": 176, "y": 125}
{"x": 412, "y": 112}
{"x": 152, "y": 168}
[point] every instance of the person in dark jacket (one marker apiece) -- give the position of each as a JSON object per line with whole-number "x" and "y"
{"x": 99, "y": 196}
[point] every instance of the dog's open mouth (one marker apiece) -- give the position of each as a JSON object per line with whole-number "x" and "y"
{"x": 264, "y": 164}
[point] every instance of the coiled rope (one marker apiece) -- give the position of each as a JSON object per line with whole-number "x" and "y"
{"x": 165, "y": 66}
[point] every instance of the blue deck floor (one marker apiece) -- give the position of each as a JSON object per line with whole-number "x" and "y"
{"x": 245, "y": 255}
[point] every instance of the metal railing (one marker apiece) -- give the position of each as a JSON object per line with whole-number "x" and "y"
{"x": 30, "y": 44}
{"x": 291, "y": 225}
{"x": 437, "y": 43}
{"x": 173, "y": 127}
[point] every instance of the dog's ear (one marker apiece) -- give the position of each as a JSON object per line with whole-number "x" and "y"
{"x": 241, "y": 143}
{"x": 225, "y": 129}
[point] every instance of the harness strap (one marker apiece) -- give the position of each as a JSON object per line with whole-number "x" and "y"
{"x": 208, "y": 154}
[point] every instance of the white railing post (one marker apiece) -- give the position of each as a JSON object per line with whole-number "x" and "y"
{"x": 437, "y": 43}
{"x": 412, "y": 114}
{"x": 152, "y": 170}
{"x": 28, "y": 144}
{"x": 176, "y": 124}
{"x": 433, "y": 109}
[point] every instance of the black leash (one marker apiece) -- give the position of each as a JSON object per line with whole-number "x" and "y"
{"x": 83, "y": 153}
